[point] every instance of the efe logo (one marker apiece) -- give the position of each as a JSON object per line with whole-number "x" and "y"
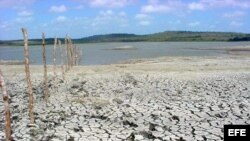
{"x": 234, "y": 132}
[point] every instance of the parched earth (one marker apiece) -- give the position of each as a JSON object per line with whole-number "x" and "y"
{"x": 131, "y": 106}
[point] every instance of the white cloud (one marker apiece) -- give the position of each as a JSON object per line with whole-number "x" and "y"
{"x": 79, "y": 7}
{"x": 235, "y": 14}
{"x": 212, "y": 26}
{"x": 108, "y": 3}
{"x": 44, "y": 24}
{"x": 123, "y": 14}
{"x": 194, "y": 24}
{"x": 144, "y": 23}
{"x": 153, "y": 1}
{"x": 143, "y": 19}
{"x": 155, "y": 8}
{"x": 14, "y": 3}
{"x": 196, "y": 6}
{"x": 61, "y": 19}
{"x": 106, "y": 13}
{"x": 174, "y": 22}
{"x": 23, "y": 19}
{"x": 232, "y": 3}
{"x": 25, "y": 14}
{"x": 202, "y": 4}
{"x": 235, "y": 23}
{"x": 108, "y": 18}
{"x": 6, "y": 25}
{"x": 58, "y": 9}
{"x": 58, "y": 24}
{"x": 142, "y": 16}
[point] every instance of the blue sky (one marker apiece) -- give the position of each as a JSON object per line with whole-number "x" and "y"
{"x": 81, "y": 18}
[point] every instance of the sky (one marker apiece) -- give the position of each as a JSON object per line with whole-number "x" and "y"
{"x": 82, "y": 18}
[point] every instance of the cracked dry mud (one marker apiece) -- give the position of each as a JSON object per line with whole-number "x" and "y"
{"x": 131, "y": 105}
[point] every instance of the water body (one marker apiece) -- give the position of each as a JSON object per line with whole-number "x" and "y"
{"x": 107, "y": 53}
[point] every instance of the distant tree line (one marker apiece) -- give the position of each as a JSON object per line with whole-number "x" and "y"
{"x": 156, "y": 37}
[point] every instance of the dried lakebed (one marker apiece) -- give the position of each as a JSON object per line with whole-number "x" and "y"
{"x": 131, "y": 105}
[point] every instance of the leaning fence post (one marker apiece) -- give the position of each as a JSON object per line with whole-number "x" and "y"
{"x": 7, "y": 109}
{"x": 27, "y": 71}
{"x": 45, "y": 83}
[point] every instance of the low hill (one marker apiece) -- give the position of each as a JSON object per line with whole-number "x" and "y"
{"x": 156, "y": 37}
{"x": 198, "y": 36}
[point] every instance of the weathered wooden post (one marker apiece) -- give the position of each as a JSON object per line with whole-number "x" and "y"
{"x": 73, "y": 54}
{"x": 6, "y": 107}
{"x": 80, "y": 56}
{"x": 27, "y": 71}
{"x": 76, "y": 55}
{"x": 45, "y": 83}
{"x": 66, "y": 52}
{"x": 69, "y": 51}
{"x": 61, "y": 58}
{"x": 54, "y": 57}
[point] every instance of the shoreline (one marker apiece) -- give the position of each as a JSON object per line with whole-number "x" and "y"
{"x": 166, "y": 98}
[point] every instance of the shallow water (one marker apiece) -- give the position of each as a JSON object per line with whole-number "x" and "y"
{"x": 102, "y": 53}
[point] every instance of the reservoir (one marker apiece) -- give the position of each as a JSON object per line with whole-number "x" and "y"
{"x": 111, "y": 53}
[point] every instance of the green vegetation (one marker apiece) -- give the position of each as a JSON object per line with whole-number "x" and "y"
{"x": 196, "y": 36}
{"x": 31, "y": 42}
{"x": 156, "y": 37}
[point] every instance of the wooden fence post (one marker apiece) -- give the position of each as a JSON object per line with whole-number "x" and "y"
{"x": 80, "y": 56}
{"x": 45, "y": 83}
{"x": 27, "y": 71}
{"x": 69, "y": 51}
{"x": 61, "y": 58}
{"x": 7, "y": 108}
{"x": 66, "y": 52}
{"x": 54, "y": 57}
{"x": 76, "y": 56}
